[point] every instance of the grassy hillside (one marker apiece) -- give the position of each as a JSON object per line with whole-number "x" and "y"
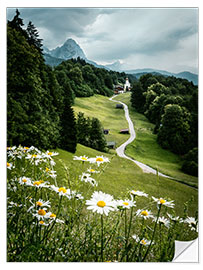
{"x": 105, "y": 110}
{"x": 146, "y": 149}
{"x": 122, "y": 175}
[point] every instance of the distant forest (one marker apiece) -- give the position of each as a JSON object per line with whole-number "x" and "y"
{"x": 172, "y": 105}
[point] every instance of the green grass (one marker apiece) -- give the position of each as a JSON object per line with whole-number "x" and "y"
{"x": 146, "y": 149}
{"x": 122, "y": 175}
{"x": 105, "y": 110}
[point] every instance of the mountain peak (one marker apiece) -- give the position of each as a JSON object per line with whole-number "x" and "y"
{"x": 70, "y": 41}
{"x": 70, "y": 49}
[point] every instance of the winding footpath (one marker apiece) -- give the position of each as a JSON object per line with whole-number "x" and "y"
{"x": 121, "y": 149}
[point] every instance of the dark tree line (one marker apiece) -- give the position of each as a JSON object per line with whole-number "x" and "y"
{"x": 39, "y": 112}
{"x": 172, "y": 105}
{"x": 85, "y": 79}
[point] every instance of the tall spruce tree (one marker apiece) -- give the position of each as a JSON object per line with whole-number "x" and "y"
{"x": 33, "y": 36}
{"x": 97, "y": 139}
{"x": 68, "y": 126}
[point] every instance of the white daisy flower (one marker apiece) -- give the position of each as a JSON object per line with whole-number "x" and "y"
{"x": 145, "y": 242}
{"x": 81, "y": 158}
{"x": 90, "y": 170}
{"x": 175, "y": 219}
{"x": 125, "y": 204}
{"x": 49, "y": 154}
{"x": 40, "y": 184}
{"x": 10, "y": 166}
{"x": 162, "y": 201}
{"x": 51, "y": 173}
{"x": 52, "y": 216}
{"x": 164, "y": 221}
{"x": 78, "y": 196}
{"x": 41, "y": 214}
{"x": 99, "y": 160}
{"x": 52, "y": 163}
{"x": 34, "y": 158}
{"x": 12, "y": 204}
{"x": 138, "y": 193}
{"x": 101, "y": 203}
{"x": 87, "y": 179}
{"x": 40, "y": 203}
{"x": 9, "y": 148}
{"x": 25, "y": 181}
{"x": 42, "y": 223}
{"x": 144, "y": 214}
{"x": 62, "y": 191}
{"x": 192, "y": 222}
{"x": 59, "y": 221}
{"x": 136, "y": 238}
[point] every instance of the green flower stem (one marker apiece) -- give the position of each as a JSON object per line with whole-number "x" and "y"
{"x": 49, "y": 230}
{"x": 102, "y": 240}
{"x": 129, "y": 228}
{"x": 143, "y": 234}
{"x": 130, "y": 223}
{"x": 114, "y": 230}
{"x": 157, "y": 175}
{"x": 152, "y": 234}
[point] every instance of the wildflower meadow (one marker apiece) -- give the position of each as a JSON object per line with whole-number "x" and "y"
{"x": 69, "y": 220}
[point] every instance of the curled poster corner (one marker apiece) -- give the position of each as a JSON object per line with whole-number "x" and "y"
{"x": 186, "y": 251}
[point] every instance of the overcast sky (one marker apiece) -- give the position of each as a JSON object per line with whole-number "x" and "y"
{"x": 139, "y": 37}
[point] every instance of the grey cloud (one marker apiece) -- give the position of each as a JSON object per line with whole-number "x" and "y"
{"x": 118, "y": 33}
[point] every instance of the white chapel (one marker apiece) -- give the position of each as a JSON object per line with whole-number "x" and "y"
{"x": 127, "y": 85}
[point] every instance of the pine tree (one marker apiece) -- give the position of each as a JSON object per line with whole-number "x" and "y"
{"x": 68, "y": 128}
{"x": 17, "y": 22}
{"x": 33, "y": 36}
{"x": 97, "y": 139}
{"x": 83, "y": 129}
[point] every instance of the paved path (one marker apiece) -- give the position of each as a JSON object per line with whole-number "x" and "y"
{"x": 121, "y": 149}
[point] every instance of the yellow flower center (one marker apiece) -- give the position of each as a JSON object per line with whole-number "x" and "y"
{"x": 47, "y": 169}
{"x": 26, "y": 148}
{"x": 125, "y": 203}
{"x": 143, "y": 242}
{"x": 8, "y": 164}
{"x": 39, "y": 203}
{"x": 36, "y": 183}
{"x": 101, "y": 203}
{"x": 62, "y": 189}
{"x": 84, "y": 158}
{"x": 99, "y": 159}
{"x": 41, "y": 222}
{"x": 162, "y": 201}
{"x": 92, "y": 170}
{"x": 41, "y": 181}
{"x": 144, "y": 213}
{"x": 24, "y": 180}
{"x": 34, "y": 156}
{"x": 50, "y": 153}
{"x": 42, "y": 212}
{"x": 52, "y": 215}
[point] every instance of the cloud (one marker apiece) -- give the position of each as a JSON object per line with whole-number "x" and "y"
{"x": 134, "y": 35}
